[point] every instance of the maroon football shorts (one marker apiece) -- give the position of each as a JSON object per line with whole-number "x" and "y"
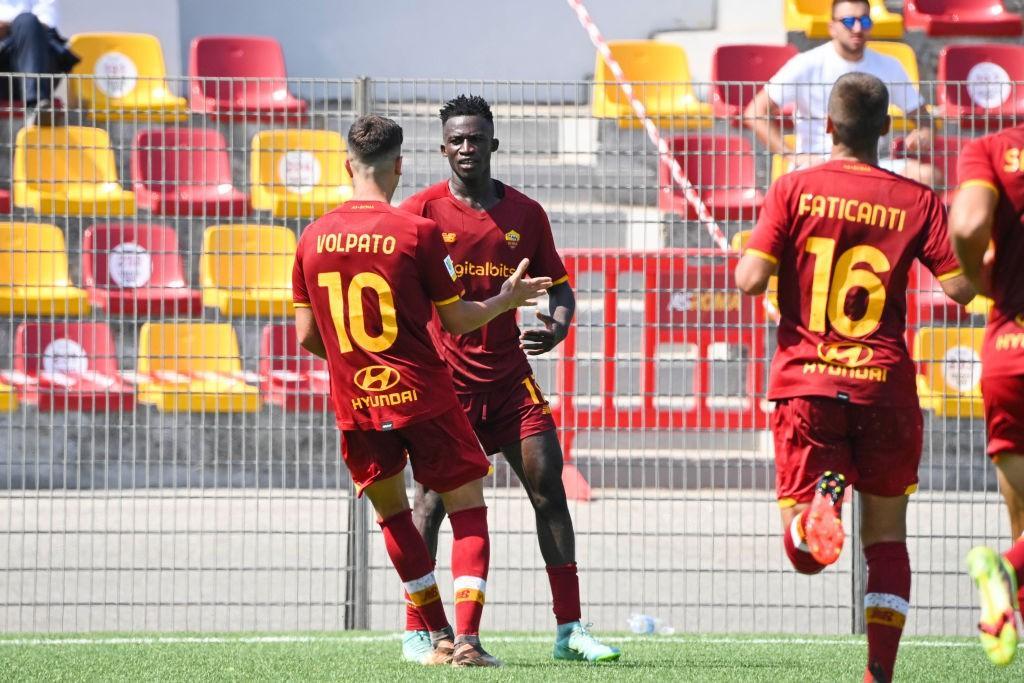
{"x": 508, "y": 414}
{"x": 1004, "y": 413}
{"x": 877, "y": 448}
{"x": 443, "y": 451}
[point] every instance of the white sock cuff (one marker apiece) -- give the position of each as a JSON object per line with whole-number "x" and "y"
{"x": 420, "y": 584}
{"x": 887, "y": 601}
{"x": 474, "y": 583}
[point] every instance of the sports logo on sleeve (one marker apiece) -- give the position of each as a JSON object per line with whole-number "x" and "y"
{"x": 451, "y": 267}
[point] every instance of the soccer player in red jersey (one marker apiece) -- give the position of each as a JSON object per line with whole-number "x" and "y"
{"x": 367, "y": 278}
{"x": 986, "y": 224}
{"x": 488, "y": 226}
{"x": 842, "y": 237}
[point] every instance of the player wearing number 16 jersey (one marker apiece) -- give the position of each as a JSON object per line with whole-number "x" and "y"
{"x": 367, "y": 278}
{"x": 843, "y": 237}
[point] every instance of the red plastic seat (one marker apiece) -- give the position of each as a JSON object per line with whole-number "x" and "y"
{"x": 943, "y": 155}
{"x": 290, "y": 376}
{"x": 961, "y": 18}
{"x": 240, "y": 77}
{"x": 738, "y": 72}
{"x": 978, "y": 84}
{"x": 185, "y": 171}
{"x": 136, "y": 269}
{"x": 722, "y": 170}
{"x": 69, "y": 366}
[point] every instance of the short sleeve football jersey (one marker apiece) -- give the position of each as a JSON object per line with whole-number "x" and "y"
{"x": 997, "y": 162}
{"x": 486, "y": 247}
{"x": 844, "y": 236}
{"x": 372, "y": 275}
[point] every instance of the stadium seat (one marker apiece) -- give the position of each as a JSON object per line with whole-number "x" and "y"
{"x": 812, "y": 17}
{"x": 69, "y": 171}
{"x": 738, "y": 72}
{"x": 290, "y": 376}
{"x": 247, "y": 269}
{"x": 927, "y": 304}
{"x": 136, "y": 269}
{"x": 961, "y": 18}
{"x": 721, "y": 169}
{"x": 185, "y": 171}
{"x": 298, "y": 173}
{"x": 34, "y": 276}
{"x": 69, "y": 366}
{"x": 241, "y": 77}
{"x": 122, "y": 76}
{"x": 978, "y": 85}
{"x": 8, "y": 399}
{"x": 943, "y": 155}
{"x": 907, "y": 58}
{"x": 660, "y": 76}
{"x": 949, "y": 358}
{"x": 193, "y": 367}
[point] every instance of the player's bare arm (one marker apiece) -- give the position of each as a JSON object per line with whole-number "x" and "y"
{"x": 970, "y": 229}
{"x": 761, "y": 117}
{"x": 753, "y": 272}
{"x": 461, "y": 316}
{"x": 561, "y": 309}
{"x": 308, "y": 333}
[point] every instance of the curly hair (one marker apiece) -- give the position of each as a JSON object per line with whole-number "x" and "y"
{"x": 474, "y": 105}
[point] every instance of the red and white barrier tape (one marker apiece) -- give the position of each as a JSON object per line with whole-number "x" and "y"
{"x": 678, "y": 177}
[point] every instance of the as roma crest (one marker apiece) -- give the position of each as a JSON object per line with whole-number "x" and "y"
{"x": 512, "y": 239}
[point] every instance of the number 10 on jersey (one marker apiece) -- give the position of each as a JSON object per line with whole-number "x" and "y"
{"x": 355, "y": 318}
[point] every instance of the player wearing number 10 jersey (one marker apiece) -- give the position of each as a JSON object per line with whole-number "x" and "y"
{"x": 366, "y": 280}
{"x": 843, "y": 237}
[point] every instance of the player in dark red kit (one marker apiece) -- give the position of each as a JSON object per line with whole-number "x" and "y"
{"x": 488, "y": 226}
{"x": 986, "y": 224}
{"x": 367, "y": 279}
{"x": 842, "y": 237}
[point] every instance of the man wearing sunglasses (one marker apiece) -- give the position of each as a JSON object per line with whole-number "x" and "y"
{"x": 805, "y": 83}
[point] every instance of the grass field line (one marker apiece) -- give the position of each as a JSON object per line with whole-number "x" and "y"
{"x": 395, "y": 637}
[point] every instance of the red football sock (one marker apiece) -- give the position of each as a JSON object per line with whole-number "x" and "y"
{"x": 886, "y": 604}
{"x": 413, "y": 620}
{"x": 796, "y": 549}
{"x": 408, "y": 552}
{"x": 471, "y": 556}
{"x": 1015, "y": 556}
{"x": 565, "y": 593}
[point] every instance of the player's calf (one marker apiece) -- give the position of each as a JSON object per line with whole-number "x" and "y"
{"x": 815, "y": 536}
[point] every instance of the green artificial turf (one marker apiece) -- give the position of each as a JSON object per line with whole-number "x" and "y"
{"x": 375, "y": 657}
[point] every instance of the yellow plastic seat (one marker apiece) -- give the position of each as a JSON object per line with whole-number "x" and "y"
{"x": 738, "y": 244}
{"x": 813, "y": 17}
{"x": 299, "y": 173}
{"x": 247, "y": 269}
{"x": 950, "y": 364}
{"x": 193, "y": 367}
{"x": 8, "y": 399}
{"x": 980, "y": 305}
{"x": 783, "y": 163}
{"x": 34, "y": 276}
{"x": 68, "y": 171}
{"x": 122, "y": 76}
{"x": 660, "y": 76}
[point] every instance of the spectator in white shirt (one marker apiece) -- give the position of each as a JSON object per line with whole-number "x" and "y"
{"x": 30, "y": 44}
{"x": 805, "y": 83}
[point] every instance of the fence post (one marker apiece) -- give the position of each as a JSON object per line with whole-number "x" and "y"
{"x": 358, "y": 584}
{"x": 858, "y": 583}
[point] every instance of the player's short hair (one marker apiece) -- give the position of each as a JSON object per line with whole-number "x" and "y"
{"x": 839, "y": 2}
{"x": 473, "y": 105}
{"x": 373, "y": 138}
{"x": 859, "y": 109}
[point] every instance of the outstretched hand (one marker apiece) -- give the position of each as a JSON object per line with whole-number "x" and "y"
{"x": 539, "y": 340}
{"x": 523, "y": 291}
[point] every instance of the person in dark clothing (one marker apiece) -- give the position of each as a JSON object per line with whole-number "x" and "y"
{"x": 30, "y": 44}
